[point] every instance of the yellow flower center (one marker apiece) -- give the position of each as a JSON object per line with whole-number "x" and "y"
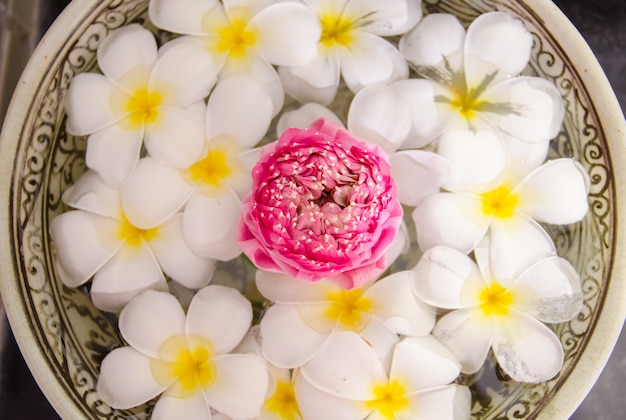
{"x": 348, "y": 308}
{"x": 133, "y": 235}
{"x": 388, "y": 399}
{"x": 143, "y": 106}
{"x": 212, "y": 169}
{"x": 283, "y": 402}
{"x": 495, "y": 300}
{"x": 336, "y": 30}
{"x": 466, "y": 104}
{"x": 236, "y": 38}
{"x": 186, "y": 366}
{"x": 500, "y": 202}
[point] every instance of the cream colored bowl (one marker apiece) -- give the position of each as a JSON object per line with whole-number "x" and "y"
{"x": 64, "y": 337}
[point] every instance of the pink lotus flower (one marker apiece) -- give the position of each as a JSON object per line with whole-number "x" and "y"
{"x": 323, "y": 205}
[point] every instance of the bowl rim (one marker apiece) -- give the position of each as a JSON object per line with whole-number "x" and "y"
{"x": 597, "y": 349}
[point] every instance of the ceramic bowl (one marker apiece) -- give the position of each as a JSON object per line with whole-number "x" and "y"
{"x": 64, "y": 337}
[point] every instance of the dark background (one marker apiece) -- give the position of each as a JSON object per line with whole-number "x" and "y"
{"x": 601, "y": 22}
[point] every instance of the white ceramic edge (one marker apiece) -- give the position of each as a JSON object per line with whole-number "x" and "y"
{"x": 600, "y": 345}
{"x": 67, "y": 22}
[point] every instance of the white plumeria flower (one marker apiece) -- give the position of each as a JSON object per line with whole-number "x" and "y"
{"x": 239, "y": 112}
{"x": 141, "y": 98}
{"x": 243, "y": 36}
{"x": 504, "y": 314}
{"x": 469, "y": 102}
{"x": 348, "y": 381}
{"x": 305, "y": 315}
{"x": 186, "y": 358}
{"x": 418, "y": 173}
{"x": 510, "y": 211}
{"x": 351, "y": 45}
{"x": 98, "y": 241}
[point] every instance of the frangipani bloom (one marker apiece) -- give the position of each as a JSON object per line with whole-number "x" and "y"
{"x": 323, "y": 205}
{"x": 98, "y": 241}
{"x": 141, "y": 98}
{"x": 510, "y": 211}
{"x": 480, "y": 116}
{"x": 504, "y": 314}
{"x": 347, "y": 380}
{"x": 305, "y": 315}
{"x": 351, "y": 45}
{"x": 243, "y": 36}
{"x": 212, "y": 187}
{"x": 186, "y": 358}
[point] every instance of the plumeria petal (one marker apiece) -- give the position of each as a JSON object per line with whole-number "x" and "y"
{"x": 193, "y": 407}
{"x": 534, "y": 363}
{"x": 126, "y": 49}
{"x": 369, "y": 60}
{"x": 500, "y": 39}
{"x": 550, "y": 291}
{"x": 208, "y": 310}
{"x": 418, "y": 174}
{"x": 304, "y": 116}
{"x": 176, "y": 258}
{"x": 184, "y": 85}
{"x": 467, "y": 336}
{"x": 176, "y": 139}
{"x": 449, "y": 402}
{"x": 286, "y": 340}
{"x": 87, "y": 104}
{"x": 316, "y": 404}
{"x": 382, "y": 19}
{"x": 241, "y": 108}
{"x": 449, "y": 219}
{"x": 378, "y": 115}
{"x": 209, "y": 226}
{"x": 240, "y": 386}
{"x": 316, "y": 81}
{"x": 182, "y": 17}
{"x": 557, "y": 192}
{"x": 290, "y": 33}
{"x": 150, "y": 319}
{"x": 395, "y": 304}
{"x": 447, "y": 278}
{"x": 126, "y": 379}
{"x": 281, "y": 288}
{"x": 436, "y": 37}
{"x": 129, "y": 272}
{"x": 423, "y": 362}
{"x": 113, "y": 153}
{"x": 91, "y": 194}
{"x": 83, "y": 243}
{"x": 153, "y": 193}
{"x": 346, "y": 366}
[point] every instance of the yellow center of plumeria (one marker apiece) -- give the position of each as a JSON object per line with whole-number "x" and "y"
{"x": 283, "y": 402}
{"x": 143, "y": 106}
{"x": 189, "y": 366}
{"x": 465, "y": 104}
{"x": 336, "y": 30}
{"x": 495, "y": 300}
{"x": 133, "y": 235}
{"x": 389, "y": 399}
{"x": 499, "y": 202}
{"x": 213, "y": 169}
{"x": 236, "y": 38}
{"x": 348, "y": 308}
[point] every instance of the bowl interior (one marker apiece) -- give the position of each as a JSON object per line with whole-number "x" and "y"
{"x": 64, "y": 337}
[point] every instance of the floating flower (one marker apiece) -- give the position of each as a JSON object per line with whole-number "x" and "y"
{"x": 98, "y": 241}
{"x": 511, "y": 211}
{"x": 351, "y": 45}
{"x": 504, "y": 314}
{"x": 186, "y": 358}
{"x": 323, "y": 205}
{"x": 212, "y": 187}
{"x": 244, "y": 36}
{"x": 479, "y": 115}
{"x": 141, "y": 98}
{"x": 305, "y": 315}
{"x": 349, "y": 381}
